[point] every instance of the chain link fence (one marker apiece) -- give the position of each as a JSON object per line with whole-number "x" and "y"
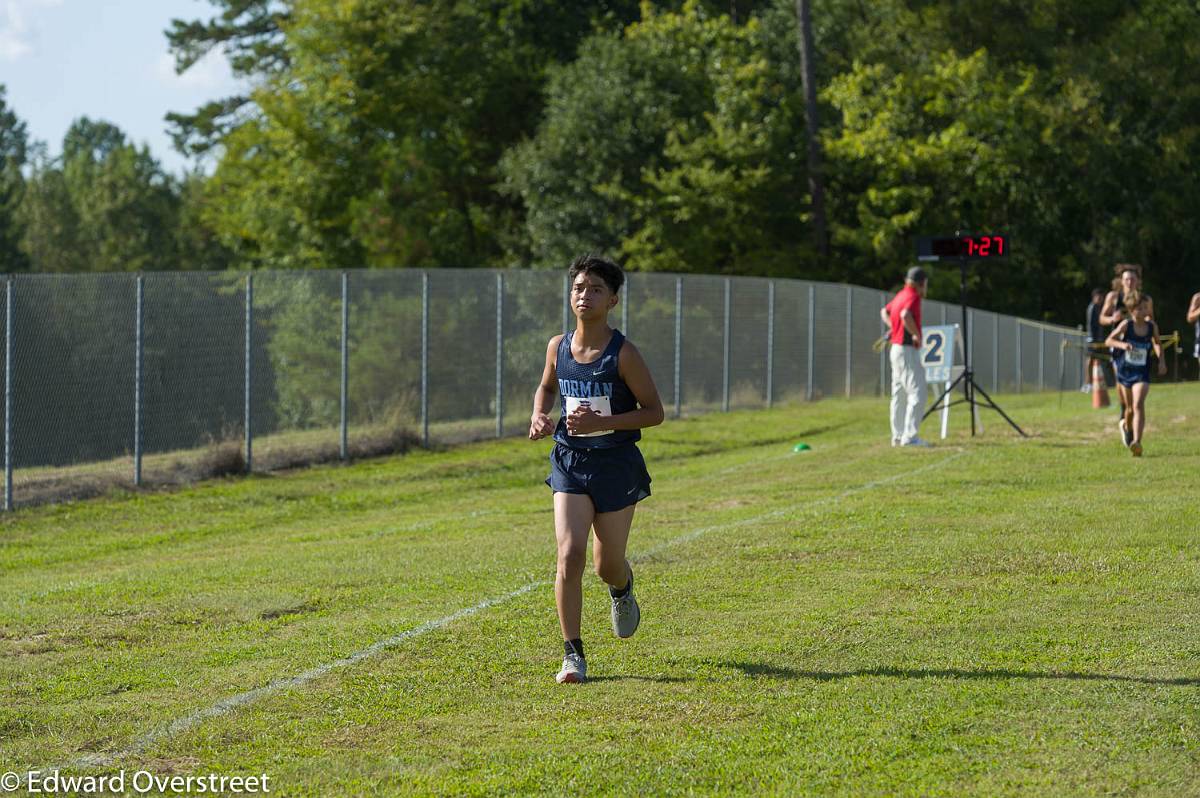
{"x": 115, "y": 380}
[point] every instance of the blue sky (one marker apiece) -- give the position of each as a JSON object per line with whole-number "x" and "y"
{"x": 104, "y": 59}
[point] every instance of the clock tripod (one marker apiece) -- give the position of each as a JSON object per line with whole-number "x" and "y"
{"x": 965, "y": 248}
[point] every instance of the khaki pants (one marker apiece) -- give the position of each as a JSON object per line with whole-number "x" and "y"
{"x": 908, "y": 392}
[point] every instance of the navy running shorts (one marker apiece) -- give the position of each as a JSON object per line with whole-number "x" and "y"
{"x": 614, "y": 478}
{"x": 1130, "y": 376}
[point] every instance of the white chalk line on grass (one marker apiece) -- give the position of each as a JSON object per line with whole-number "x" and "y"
{"x": 227, "y": 705}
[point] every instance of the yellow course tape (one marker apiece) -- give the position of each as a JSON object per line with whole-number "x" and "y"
{"x": 1099, "y": 352}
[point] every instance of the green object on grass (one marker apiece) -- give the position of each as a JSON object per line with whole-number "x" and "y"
{"x": 801, "y": 447}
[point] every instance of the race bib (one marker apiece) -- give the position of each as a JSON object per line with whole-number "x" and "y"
{"x": 598, "y": 404}
{"x": 1136, "y": 357}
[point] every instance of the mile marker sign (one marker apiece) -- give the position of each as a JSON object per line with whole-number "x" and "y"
{"x": 937, "y": 353}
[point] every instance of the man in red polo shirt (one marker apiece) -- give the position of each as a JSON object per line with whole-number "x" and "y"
{"x": 903, "y": 317}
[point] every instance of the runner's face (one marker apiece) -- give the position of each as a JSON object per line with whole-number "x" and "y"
{"x": 1129, "y": 280}
{"x": 590, "y": 297}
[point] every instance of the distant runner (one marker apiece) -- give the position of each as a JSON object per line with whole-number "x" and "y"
{"x": 1135, "y": 338}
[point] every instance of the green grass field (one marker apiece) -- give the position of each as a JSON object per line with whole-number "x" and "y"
{"x": 992, "y": 616}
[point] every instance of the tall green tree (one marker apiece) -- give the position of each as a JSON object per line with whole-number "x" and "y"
{"x": 375, "y": 135}
{"x": 1051, "y": 121}
{"x": 250, "y": 34}
{"x": 125, "y": 202}
{"x": 1144, "y": 188}
{"x": 51, "y": 235}
{"x": 14, "y": 143}
{"x": 378, "y": 142}
{"x": 103, "y": 205}
{"x": 448, "y": 132}
{"x": 956, "y": 145}
{"x": 197, "y": 245}
{"x": 670, "y": 144}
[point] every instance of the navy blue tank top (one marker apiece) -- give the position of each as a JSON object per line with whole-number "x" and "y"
{"x": 599, "y": 385}
{"x": 1137, "y": 361}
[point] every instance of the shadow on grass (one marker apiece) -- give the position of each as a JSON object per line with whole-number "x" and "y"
{"x": 759, "y": 669}
{"x": 616, "y": 677}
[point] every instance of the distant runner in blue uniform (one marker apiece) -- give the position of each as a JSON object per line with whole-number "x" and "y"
{"x": 596, "y": 470}
{"x": 1128, "y": 280}
{"x": 1133, "y": 339}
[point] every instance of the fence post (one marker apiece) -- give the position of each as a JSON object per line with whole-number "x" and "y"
{"x": 678, "y": 342}
{"x": 812, "y": 312}
{"x": 425, "y": 359}
{"x": 345, "y": 387}
{"x": 8, "y": 397}
{"x": 625, "y": 310}
{"x": 499, "y": 354}
{"x": 566, "y": 304}
{"x": 1041, "y": 358}
{"x": 995, "y": 353}
{"x": 770, "y": 342}
{"x": 249, "y": 371}
{"x": 883, "y": 386}
{"x": 725, "y": 367}
{"x": 138, "y": 348}
{"x": 1019, "y": 356}
{"x": 849, "y": 336}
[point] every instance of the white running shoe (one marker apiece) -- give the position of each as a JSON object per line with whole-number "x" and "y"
{"x": 1126, "y": 434}
{"x": 574, "y": 670}
{"x": 626, "y": 615}
{"x": 916, "y": 442}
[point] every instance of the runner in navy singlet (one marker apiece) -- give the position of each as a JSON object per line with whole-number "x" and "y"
{"x": 1135, "y": 338}
{"x": 606, "y": 396}
{"x": 1128, "y": 279}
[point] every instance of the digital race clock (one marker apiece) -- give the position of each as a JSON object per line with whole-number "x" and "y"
{"x": 969, "y": 247}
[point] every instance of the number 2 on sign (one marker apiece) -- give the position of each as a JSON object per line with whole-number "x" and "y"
{"x": 934, "y": 341}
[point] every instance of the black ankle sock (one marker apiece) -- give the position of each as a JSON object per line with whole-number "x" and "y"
{"x": 573, "y": 646}
{"x": 623, "y": 592}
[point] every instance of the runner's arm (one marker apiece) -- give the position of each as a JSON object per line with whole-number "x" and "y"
{"x": 1193, "y": 313}
{"x": 540, "y": 423}
{"x": 1110, "y": 313}
{"x": 1114, "y": 338}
